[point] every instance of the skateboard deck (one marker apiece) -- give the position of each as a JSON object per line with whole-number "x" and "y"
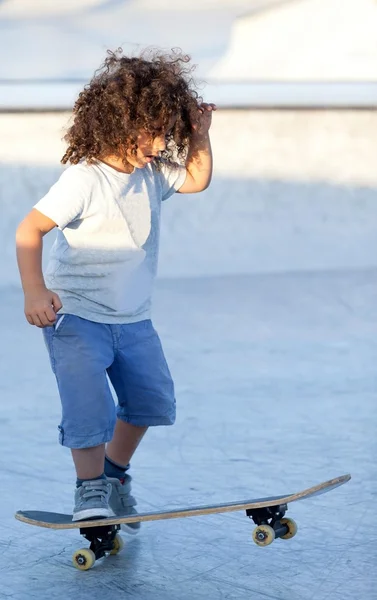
{"x": 267, "y": 513}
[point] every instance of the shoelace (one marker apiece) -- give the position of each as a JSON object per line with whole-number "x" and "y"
{"x": 93, "y": 489}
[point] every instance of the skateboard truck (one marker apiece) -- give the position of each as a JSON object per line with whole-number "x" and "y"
{"x": 104, "y": 540}
{"x": 271, "y": 524}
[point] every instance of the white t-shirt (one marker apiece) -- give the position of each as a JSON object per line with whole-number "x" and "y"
{"x": 104, "y": 259}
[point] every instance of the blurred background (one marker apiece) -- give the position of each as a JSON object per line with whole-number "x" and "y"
{"x": 294, "y": 139}
{"x": 265, "y": 302}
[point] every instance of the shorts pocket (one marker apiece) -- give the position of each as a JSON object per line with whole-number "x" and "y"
{"x": 60, "y": 324}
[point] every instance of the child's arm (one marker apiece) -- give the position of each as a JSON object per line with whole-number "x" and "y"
{"x": 41, "y": 304}
{"x": 199, "y": 158}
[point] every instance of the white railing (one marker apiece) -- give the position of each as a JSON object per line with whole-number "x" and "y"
{"x": 54, "y": 95}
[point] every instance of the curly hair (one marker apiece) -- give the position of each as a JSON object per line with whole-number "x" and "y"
{"x": 129, "y": 94}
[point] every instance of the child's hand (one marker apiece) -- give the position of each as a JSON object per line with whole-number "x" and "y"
{"x": 41, "y": 306}
{"x": 204, "y": 118}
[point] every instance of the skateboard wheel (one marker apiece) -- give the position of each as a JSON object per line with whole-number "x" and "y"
{"x": 263, "y": 535}
{"x": 118, "y": 544}
{"x": 84, "y": 559}
{"x": 292, "y": 528}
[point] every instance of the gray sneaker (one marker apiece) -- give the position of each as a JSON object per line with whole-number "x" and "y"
{"x": 122, "y": 503}
{"x": 92, "y": 500}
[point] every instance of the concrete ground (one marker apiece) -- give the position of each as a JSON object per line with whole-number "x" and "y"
{"x": 275, "y": 379}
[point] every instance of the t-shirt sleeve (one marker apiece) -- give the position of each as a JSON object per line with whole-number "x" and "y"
{"x": 172, "y": 177}
{"x": 67, "y": 200}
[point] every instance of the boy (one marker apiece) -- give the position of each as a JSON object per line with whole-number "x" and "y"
{"x": 131, "y": 124}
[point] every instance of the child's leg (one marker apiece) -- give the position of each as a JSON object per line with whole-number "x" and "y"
{"x": 89, "y": 461}
{"x": 126, "y": 439}
{"x": 145, "y": 392}
{"x": 144, "y": 387}
{"x": 80, "y": 353}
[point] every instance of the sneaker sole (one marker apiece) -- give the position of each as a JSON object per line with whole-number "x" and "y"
{"x": 125, "y": 526}
{"x": 90, "y": 513}
{"x": 129, "y": 530}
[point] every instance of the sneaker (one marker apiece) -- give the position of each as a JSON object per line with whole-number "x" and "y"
{"x": 122, "y": 503}
{"x": 92, "y": 500}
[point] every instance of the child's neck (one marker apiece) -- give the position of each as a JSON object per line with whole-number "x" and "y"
{"x": 116, "y": 163}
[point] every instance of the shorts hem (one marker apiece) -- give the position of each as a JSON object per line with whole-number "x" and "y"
{"x": 141, "y": 421}
{"x": 85, "y": 441}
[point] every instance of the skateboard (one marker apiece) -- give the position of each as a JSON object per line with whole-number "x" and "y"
{"x": 268, "y": 515}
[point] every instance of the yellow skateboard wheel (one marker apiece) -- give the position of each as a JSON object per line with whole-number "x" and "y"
{"x": 263, "y": 535}
{"x": 118, "y": 545}
{"x": 83, "y": 559}
{"x": 292, "y": 528}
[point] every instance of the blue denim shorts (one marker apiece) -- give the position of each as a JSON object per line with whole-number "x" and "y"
{"x": 85, "y": 355}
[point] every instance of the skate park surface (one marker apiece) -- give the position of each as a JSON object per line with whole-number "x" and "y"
{"x": 266, "y": 306}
